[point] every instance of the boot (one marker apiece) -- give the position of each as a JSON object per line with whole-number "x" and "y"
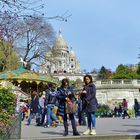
{"x": 66, "y": 128}
{"x": 65, "y": 133}
{"x": 75, "y": 132}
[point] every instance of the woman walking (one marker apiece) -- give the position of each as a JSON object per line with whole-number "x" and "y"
{"x": 34, "y": 108}
{"x": 90, "y": 104}
{"x": 125, "y": 108}
{"x": 65, "y": 94}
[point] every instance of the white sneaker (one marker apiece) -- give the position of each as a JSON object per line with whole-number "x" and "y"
{"x": 87, "y": 132}
{"x": 92, "y": 132}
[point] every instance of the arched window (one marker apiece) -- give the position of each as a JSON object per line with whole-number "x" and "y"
{"x": 55, "y": 71}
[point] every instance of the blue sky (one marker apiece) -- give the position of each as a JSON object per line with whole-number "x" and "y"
{"x": 101, "y": 32}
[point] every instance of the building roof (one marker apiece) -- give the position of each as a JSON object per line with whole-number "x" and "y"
{"x": 21, "y": 74}
{"x": 60, "y": 43}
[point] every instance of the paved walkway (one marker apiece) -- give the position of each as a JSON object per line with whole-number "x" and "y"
{"x": 105, "y": 127}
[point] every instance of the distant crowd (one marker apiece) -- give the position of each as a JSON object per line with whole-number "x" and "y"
{"x": 121, "y": 110}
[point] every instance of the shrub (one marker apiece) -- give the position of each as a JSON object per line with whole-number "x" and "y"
{"x": 7, "y": 108}
{"x": 7, "y": 101}
{"x": 104, "y": 111}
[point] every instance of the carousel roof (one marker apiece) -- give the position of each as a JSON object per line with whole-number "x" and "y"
{"x": 22, "y": 74}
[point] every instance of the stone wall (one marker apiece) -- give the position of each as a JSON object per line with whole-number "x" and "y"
{"x": 113, "y": 91}
{"x": 115, "y": 96}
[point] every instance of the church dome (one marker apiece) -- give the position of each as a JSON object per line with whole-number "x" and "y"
{"x": 60, "y": 43}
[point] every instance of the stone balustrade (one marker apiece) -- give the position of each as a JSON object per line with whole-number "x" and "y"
{"x": 118, "y": 83}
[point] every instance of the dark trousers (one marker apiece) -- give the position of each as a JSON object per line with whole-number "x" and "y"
{"x": 125, "y": 114}
{"x": 81, "y": 116}
{"x": 71, "y": 117}
{"x": 43, "y": 113}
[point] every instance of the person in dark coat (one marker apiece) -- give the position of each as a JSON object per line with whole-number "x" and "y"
{"x": 64, "y": 94}
{"x": 50, "y": 103}
{"x": 81, "y": 114}
{"x": 90, "y": 104}
{"x": 136, "y": 107}
{"x": 34, "y": 108}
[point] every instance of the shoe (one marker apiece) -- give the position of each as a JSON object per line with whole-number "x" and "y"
{"x": 76, "y": 133}
{"x": 46, "y": 126}
{"x": 65, "y": 134}
{"x": 87, "y": 132}
{"x": 92, "y": 132}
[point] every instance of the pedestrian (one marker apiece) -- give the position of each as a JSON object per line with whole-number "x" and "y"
{"x": 50, "y": 103}
{"x": 136, "y": 107}
{"x": 120, "y": 110}
{"x": 65, "y": 94}
{"x": 81, "y": 114}
{"x": 90, "y": 104}
{"x": 34, "y": 108}
{"x": 125, "y": 108}
{"x": 41, "y": 108}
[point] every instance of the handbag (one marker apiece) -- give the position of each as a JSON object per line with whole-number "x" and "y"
{"x": 71, "y": 107}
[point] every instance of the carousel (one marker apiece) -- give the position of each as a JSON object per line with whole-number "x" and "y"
{"x": 27, "y": 80}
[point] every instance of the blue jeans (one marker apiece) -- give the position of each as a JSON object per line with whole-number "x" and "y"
{"x": 91, "y": 119}
{"x": 31, "y": 116}
{"x": 50, "y": 115}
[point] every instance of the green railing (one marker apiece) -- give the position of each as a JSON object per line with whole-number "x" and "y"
{"x": 13, "y": 132}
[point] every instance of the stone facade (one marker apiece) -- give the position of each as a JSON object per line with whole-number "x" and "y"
{"x": 60, "y": 58}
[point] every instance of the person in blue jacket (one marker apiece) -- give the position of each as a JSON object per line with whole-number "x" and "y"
{"x": 65, "y": 93}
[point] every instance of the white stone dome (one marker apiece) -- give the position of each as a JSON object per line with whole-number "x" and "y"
{"x": 60, "y": 43}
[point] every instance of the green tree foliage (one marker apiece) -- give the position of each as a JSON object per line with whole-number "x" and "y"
{"x": 124, "y": 72}
{"x": 7, "y": 108}
{"x": 7, "y": 101}
{"x": 138, "y": 70}
{"x": 9, "y": 60}
{"x": 79, "y": 81}
{"x": 104, "y": 73}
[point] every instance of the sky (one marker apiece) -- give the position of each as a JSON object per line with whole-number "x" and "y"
{"x": 101, "y": 32}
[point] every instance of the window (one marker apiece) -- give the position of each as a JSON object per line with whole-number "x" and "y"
{"x": 65, "y": 71}
{"x": 55, "y": 71}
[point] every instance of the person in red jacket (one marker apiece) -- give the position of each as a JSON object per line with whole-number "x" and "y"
{"x": 125, "y": 108}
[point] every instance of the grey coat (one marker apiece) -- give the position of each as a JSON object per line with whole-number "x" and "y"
{"x": 91, "y": 103}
